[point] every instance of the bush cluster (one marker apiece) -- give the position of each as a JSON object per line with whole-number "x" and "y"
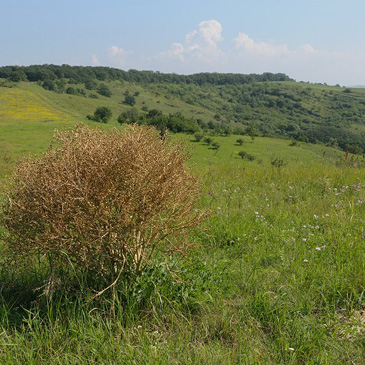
{"x": 106, "y": 200}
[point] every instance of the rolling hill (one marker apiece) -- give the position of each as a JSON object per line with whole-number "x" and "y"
{"x": 35, "y": 100}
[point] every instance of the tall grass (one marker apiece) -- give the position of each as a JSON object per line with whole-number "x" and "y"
{"x": 277, "y": 278}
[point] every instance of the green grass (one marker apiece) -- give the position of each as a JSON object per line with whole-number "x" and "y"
{"x": 277, "y": 277}
{"x": 281, "y": 268}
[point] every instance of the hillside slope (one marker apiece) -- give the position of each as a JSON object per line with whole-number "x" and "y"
{"x": 259, "y": 105}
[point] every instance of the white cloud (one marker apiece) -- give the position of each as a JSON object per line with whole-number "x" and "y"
{"x": 210, "y": 31}
{"x": 204, "y": 50}
{"x": 200, "y": 51}
{"x": 177, "y": 50}
{"x": 199, "y": 44}
{"x": 118, "y": 56}
{"x": 244, "y": 43}
{"x": 308, "y": 49}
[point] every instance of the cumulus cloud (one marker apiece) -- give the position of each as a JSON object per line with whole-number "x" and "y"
{"x": 210, "y": 32}
{"x": 117, "y": 55}
{"x": 200, "y": 51}
{"x": 244, "y": 43}
{"x": 199, "y": 44}
{"x": 204, "y": 50}
{"x": 302, "y": 63}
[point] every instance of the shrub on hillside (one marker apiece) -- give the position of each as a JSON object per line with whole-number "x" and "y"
{"x": 208, "y": 140}
{"x": 245, "y": 155}
{"x": 104, "y": 90}
{"x": 216, "y": 146}
{"x": 198, "y": 136}
{"x": 102, "y": 114}
{"x": 104, "y": 200}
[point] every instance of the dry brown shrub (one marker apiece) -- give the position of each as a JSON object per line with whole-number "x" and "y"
{"x": 107, "y": 200}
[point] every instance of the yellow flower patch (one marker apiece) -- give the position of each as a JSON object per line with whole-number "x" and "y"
{"x": 20, "y": 104}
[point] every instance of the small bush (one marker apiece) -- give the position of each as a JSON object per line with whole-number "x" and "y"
{"x": 216, "y": 146}
{"x": 104, "y": 90}
{"x": 277, "y": 162}
{"x": 102, "y": 114}
{"x": 246, "y": 155}
{"x": 107, "y": 201}
{"x": 198, "y": 136}
{"x": 208, "y": 140}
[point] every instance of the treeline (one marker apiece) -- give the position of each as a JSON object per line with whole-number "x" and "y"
{"x": 173, "y": 122}
{"x": 303, "y": 112}
{"x": 177, "y": 123}
{"x": 263, "y": 103}
{"x": 82, "y": 74}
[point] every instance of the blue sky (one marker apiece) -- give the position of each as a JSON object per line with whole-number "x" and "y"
{"x": 310, "y": 40}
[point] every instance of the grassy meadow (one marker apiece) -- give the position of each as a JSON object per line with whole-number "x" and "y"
{"x": 276, "y": 274}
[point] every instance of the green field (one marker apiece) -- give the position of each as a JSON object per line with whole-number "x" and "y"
{"x": 277, "y": 275}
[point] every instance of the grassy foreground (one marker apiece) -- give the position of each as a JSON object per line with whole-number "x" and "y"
{"x": 278, "y": 277}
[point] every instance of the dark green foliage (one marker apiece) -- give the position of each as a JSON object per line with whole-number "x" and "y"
{"x": 60, "y": 85}
{"x": 277, "y": 162}
{"x": 49, "y": 85}
{"x": 226, "y": 130}
{"x": 129, "y": 99}
{"x": 245, "y": 155}
{"x": 208, "y": 140}
{"x": 216, "y": 146}
{"x": 91, "y": 84}
{"x": 104, "y": 90}
{"x": 71, "y": 90}
{"x": 240, "y": 141}
{"x": 81, "y": 74}
{"x": 198, "y": 136}
{"x": 102, "y": 114}
{"x": 17, "y": 76}
{"x": 130, "y": 116}
{"x": 211, "y": 125}
{"x": 175, "y": 123}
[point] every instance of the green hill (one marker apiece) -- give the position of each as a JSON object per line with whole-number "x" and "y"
{"x": 264, "y": 105}
{"x": 35, "y": 100}
{"x": 276, "y": 275}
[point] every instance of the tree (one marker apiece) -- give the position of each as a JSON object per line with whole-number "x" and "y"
{"x": 246, "y": 155}
{"x": 198, "y": 136}
{"x": 91, "y": 84}
{"x": 71, "y": 90}
{"x": 102, "y": 114}
{"x": 129, "y": 99}
{"x": 104, "y": 90}
{"x": 130, "y": 116}
{"x": 242, "y": 154}
{"x": 49, "y": 85}
{"x": 211, "y": 125}
{"x": 252, "y": 132}
{"x": 18, "y": 76}
{"x": 104, "y": 201}
{"x": 216, "y": 146}
{"x": 208, "y": 140}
